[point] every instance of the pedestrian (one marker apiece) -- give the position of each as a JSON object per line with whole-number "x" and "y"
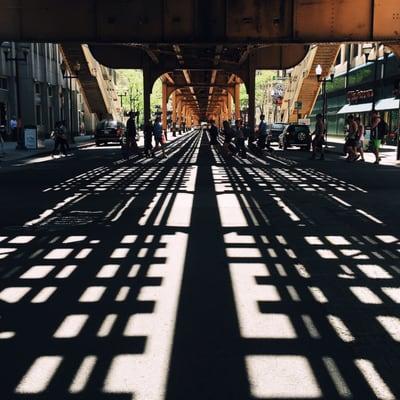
{"x": 132, "y": 133}
{"x": 379, "y": 129}
{"x": 319, "y": 138}
{"x": 213, "y": 131}
{"x": 228, "y": 136}
{"x": 59, "y": 141}
{"x": 262, "y": 133}
{"x": 240, "y": 139}
{"x": 159, "y": 137}
{"x": 351, "y": 140}
{"x": 13, "y": 127}
{"x": 3, "y": 137}
{"x": 360, "y": 138}
{"x": 148, "y": 139}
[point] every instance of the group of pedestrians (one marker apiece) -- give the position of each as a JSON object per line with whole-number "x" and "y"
{"x": 355, "y": 139}
{"x": 235, "y": 137}
{"x": 152, "y": 131}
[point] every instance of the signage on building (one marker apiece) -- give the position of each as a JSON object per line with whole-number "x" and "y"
{"x": 360, "y": 96}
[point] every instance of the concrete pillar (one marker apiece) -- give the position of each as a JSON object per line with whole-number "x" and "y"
{"x": 178, "y": 111}
{"x": 164, "y": 106}
{"x": 174, "y": 107}
{"x": 229, "y": 99}
{"x": 252, "y": 96}
{"x": 237, "y": 101}
{"x": 147, "y": 88}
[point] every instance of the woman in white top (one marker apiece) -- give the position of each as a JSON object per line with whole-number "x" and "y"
{"x": 360, "y": 138}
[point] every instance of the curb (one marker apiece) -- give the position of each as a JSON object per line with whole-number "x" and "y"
{"x": 46, "y": 152}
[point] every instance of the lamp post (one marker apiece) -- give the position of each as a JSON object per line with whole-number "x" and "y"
{"x": 324, "y": 80}
{"x": 69, "y": 77}
{"x": 121, "y": 96}
{"x": 10, "y": 58}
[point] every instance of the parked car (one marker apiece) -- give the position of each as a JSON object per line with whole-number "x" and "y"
{"x": 109, "y": 131}
{"x": 296, "y": 135}
{"x": 274, "y": 131}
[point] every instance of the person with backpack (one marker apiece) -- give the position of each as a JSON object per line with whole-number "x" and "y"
{"x": 379, "y": 129}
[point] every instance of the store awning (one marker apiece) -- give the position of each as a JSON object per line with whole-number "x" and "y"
{"x": 387, "y": 104}
{"x": 355, "y": 108}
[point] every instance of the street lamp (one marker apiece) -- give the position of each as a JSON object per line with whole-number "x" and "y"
{"x": 69, "y": 77}
{"x": 7, "y": 49}
{"x": 324, "y": 80}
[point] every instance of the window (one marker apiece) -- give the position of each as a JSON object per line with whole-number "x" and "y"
{"x": 38, "y": 115}
{"x": 3, "y": 83}
{"x": 50, "y": 91}
{"x": 37, "y": 88}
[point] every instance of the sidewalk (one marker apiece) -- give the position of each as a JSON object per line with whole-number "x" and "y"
{"x": 14, "y": 155}
{"x": 388, "y": 153}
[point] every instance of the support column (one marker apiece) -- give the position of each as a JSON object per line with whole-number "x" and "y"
{"x": 252, "y": 95}
{"x": 237, "y": 101}
{"x": 229, "y": 106}
{"x": 164, "y": 106}
{"x": 147, "y": 83}
{"x": 174, "y": 107}
{"x": 179, "y": 112}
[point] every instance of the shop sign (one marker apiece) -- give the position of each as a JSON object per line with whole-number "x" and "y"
{"x": 360, "y": 96}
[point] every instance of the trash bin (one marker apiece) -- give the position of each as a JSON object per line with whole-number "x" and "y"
{"x": 31, "y": 137}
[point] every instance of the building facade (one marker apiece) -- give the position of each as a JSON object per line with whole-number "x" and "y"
{"x": 31, "y": 75}
{"x": 361, "y": 84}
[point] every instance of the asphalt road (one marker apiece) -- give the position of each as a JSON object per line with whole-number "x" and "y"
{"x": 199, "y": 277}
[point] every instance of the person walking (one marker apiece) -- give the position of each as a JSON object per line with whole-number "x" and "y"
{"x": 13, "y": 127}
{"x": 148, "y": 139}
{"x": 240, "y": 138}
{"x": 59, "y": 140}
{"x": 159, "y": 137}
{"x": 132, "y": 133}
{"x": 360, "y": 139}
{"x": 213, "y": 131}
{"x": 262, "y": 133}
{"x": 228, "y": 135}
{"x": 379, "y": 129}
{"x": 351, "y": 140}
{"x": 319, "y": 138}
{"x": 3, "y": 153}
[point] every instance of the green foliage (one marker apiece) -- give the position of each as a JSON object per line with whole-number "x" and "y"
{"x": 130, "y": 82}
{"x": 263, "y": 79}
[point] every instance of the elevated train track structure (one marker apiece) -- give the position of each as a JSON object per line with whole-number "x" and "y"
{"x": 203, "y": 49}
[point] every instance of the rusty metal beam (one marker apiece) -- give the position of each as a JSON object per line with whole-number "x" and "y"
{"x": 239, "y": 21}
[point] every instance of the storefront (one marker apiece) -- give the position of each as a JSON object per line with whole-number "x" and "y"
{"x": 357, "y": 92}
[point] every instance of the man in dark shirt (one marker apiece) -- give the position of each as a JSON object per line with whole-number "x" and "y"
{"x": 132, "y": 133}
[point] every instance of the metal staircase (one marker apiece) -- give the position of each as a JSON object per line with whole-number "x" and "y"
{"x": 95, "y": 80}
{"x": 304, "y": 86}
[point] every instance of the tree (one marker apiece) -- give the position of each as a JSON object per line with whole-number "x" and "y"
{"x": 130, "y": 82}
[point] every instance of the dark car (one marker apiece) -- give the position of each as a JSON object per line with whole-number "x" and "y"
{"x": 296, "y": 135}
{"x": 275, "y": 130}
{"x": 109, "y": 131}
